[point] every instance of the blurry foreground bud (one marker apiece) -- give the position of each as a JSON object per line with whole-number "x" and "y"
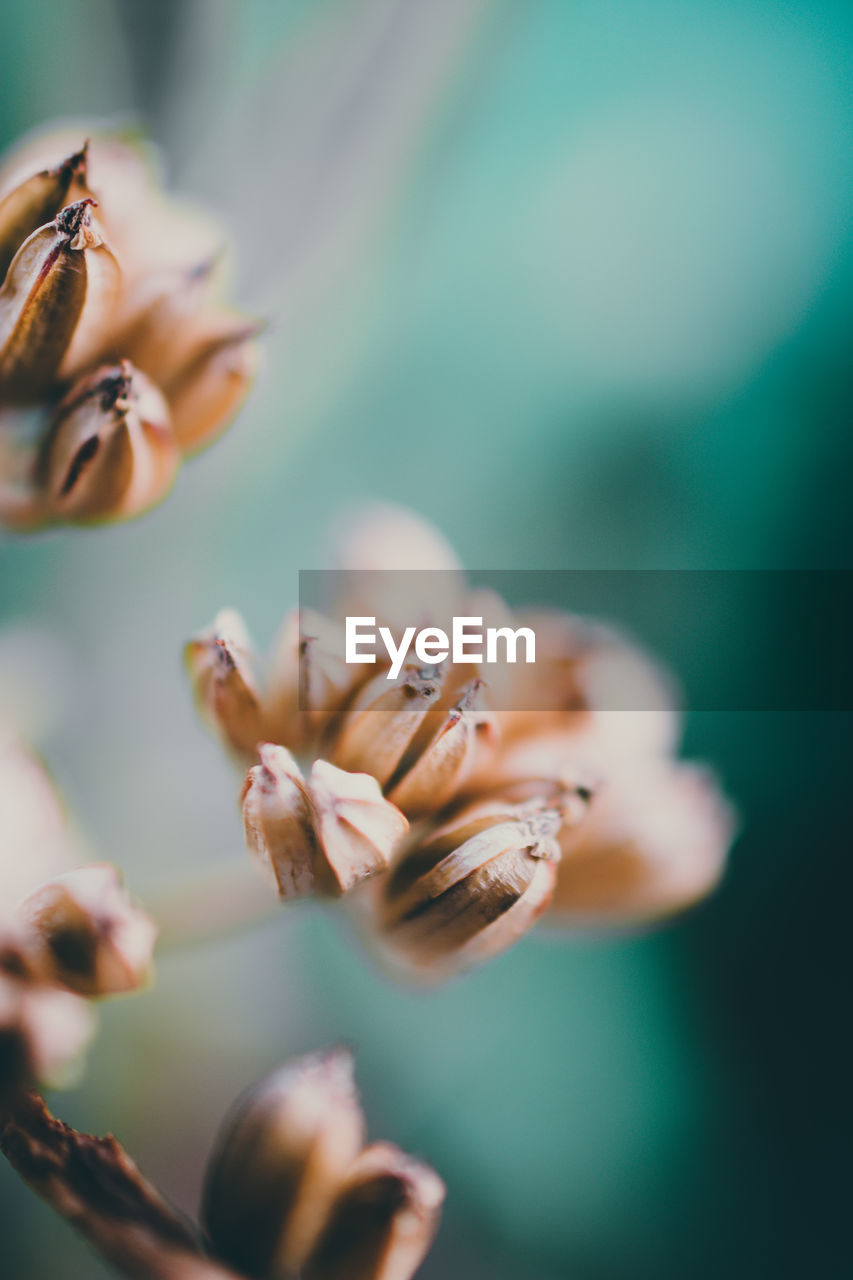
{"x": 383, "y": 1220}
{"x": 87, "y": 933}
{"x": 43, "y": 1030}
{"x": 324, "y": 836}
{"x": 655, "y": 842}
{"x": 279, "y": 1162}
{"x": 219, "y": 665}
{"x": 37, "y": 200}
{"x": 59, "y": 292}
{"x": 472, "y": 888}
{"x": 111, "y": 450}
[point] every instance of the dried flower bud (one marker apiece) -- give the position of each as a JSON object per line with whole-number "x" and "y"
{"x": 310, "y": 680}
{"x": 37, "y": 200}
{"x": 278, "y": 823}
{"x": 57, "y": 296}
{"x": 110, "y": 452}
{"x": 383, "y": 1220}
{"x": 87, "y": 933}
{"x": 214, "y": 379}
{"x": 384, "y": 719}
{"x": 322, "y": 837}
{"x": 654, "y": 842}
{"x": 356, "y": 828}
{"x": 42, "y": 1029}
{"x": 438, "y": 760}
{"x": 278, "y": 1165}
{"x": 218, "y": 662}
{"x": 472, "y": 888}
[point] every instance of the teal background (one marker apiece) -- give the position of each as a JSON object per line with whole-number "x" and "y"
{"x": 573, "y": 280}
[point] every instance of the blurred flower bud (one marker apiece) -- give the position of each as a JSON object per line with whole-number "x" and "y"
{"x": 58, "y": 294}
{"x": 322, "y": 837}
{"x": 310, "y": 680}
{"x": 36, "y": 200}
{"x": 87, "y": 934}
{"x": 218, "y": 370}
{"x": 278, "y": 1165}
{"x": 383, "y": 1220}
{"x": 110, "y": 452}
{"x": 383, "y": 720}
{"x": 227, "y": 696}
{"x": 42, "y": 1029}
{"x": 472, "y": 888}
{"x": 654, "y": 843}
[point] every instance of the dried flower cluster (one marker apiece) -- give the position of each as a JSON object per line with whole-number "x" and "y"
{"x": 74, "y": 936}
{"x": 116, "y": 358}
{"x": 470, "y": 820}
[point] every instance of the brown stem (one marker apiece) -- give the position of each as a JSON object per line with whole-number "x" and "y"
{"x": 94, "y": 1184}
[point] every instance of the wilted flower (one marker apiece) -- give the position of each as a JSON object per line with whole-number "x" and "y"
{"x": 290, "y": 1188}
{"x": 116, "y": 357}
{"x": 492, "y": 771}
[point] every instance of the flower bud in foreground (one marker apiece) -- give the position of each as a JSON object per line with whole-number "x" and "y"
{"x": 324, "y": 836}
{"x": 227, "y": 696}
{"x": 471, "y": 889}
{"x": 279, "y": 1163}
{"x": 37, "y": 200}
{"x": 383, "y": 1221}
{"x": 87, "y": 934}
{"x": 110, "y": 452}
{"x": 42, "y": 1030}
{"x": 655, "y": 842}
{"x": 59, "y": 292}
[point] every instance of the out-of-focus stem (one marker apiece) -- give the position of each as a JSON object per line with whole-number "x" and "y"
{"x": 218, "y": 901}
{"x": 94, "y": 1184}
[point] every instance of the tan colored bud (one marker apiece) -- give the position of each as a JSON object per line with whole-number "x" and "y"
{"x": 654, "y": 843}
{"x": 383, "y": 1220}
{"x": 37, "y": 200}
{"x": 110, "y": 452}
{"x": 58, "y": 293}
{"x": 322, "y": 837}
{"x": 357, "y": 829}
{"x": 472, "y": 888}
{"x": 310, "y": 680}
{"x": 384, "y": 719}
{"x": 278, "y": 1164}
{"x": 277, "y": 821}
{"x": 219, "y": 665}
{"x": 88, "y": 935}
{"x": 42, "y": 1030}
{"x": 438, "y": 760}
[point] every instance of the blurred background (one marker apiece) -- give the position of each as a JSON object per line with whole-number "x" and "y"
{"x": 573, "y": 280}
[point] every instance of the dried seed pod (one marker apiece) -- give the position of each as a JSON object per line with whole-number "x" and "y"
{"x": 438, "y": 761}
{"x": 383, "y": 1220}
{"x": 356, "y": 828}
{"x": 87, "y": 934}
{"x": 654, "y": 843}
{"x": 219, "y": 665}
{"x": 214, "y": 379}
{"x": 472, "y": 888}
{"x": 110, "y": 452}
{"x": 279, "y": 1162}
{"x": 57, "y": 296}
{"x": 384, "y": 719}
{"x": 322, "y": 837}
{"x": 277, "y": 820}
{"x": 37, "y": 200}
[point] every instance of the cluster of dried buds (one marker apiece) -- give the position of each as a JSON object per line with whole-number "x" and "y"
{"x": 291, "y": 1188}
{"x": 74, "y": 937}
{"x": 116, "y": 358}
{"x": 469, "y": 821}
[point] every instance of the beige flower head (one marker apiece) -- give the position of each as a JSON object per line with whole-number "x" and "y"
{"x": 117, "y": 357}
{"x": 458, "y": 798}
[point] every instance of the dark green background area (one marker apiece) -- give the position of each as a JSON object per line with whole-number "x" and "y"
{"x": 573, "y": 280}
